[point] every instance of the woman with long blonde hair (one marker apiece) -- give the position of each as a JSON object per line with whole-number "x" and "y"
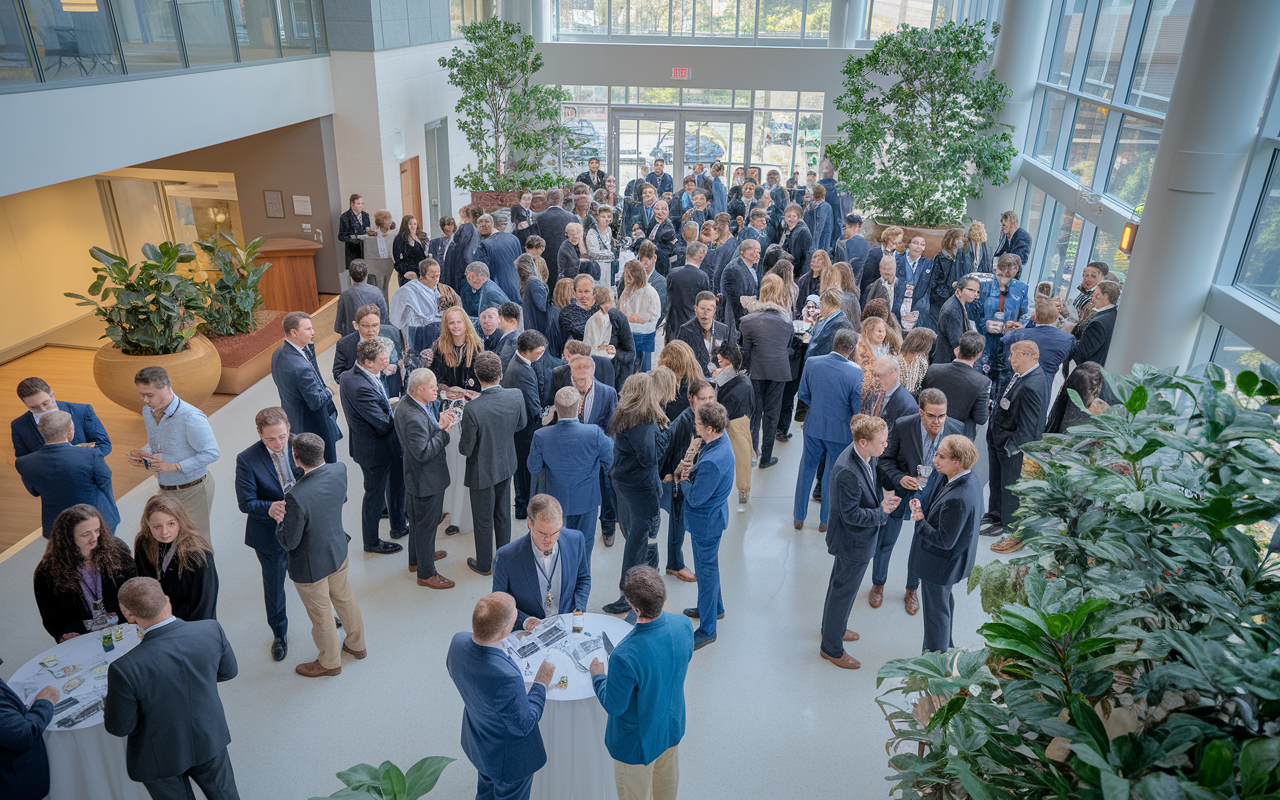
{"x": 455, "y": 351}
{"x": 871, "y": 345}
{"x": 170, "y": 548}
{"x": 678, "y": 357}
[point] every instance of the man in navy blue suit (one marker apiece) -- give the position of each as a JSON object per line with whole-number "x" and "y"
{"x": 24, "y": 768}
{"x": 1055, "y": 345}
{"x": 898, "y": 402}
{"x": 38, "y": 397}
{"x": 548, "y": 570}
{"x": 521, "y": 373}
{"x": 660, "y": 180}
{"x": 913, "y": 442}
{"x": 570, "y": 455}
{"x": 63, "y": 475}
{"x": 265, "y": 470}
{"x": 599, "y": 401}
{"x": 500, "y": 722}
{"x": 859, "y": 511}
{"x": 891, "y": 286}
{"x": 374, "y": 444}
{"x": 831, "y": 386}
{"x": 303, "y": 393}
{"x": 919, "y": 274}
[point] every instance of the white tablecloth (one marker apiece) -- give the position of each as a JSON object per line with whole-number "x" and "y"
{"x": 84, "y": 761}
{"x": 578, "y": 765}
{"x": 457, "y": 500}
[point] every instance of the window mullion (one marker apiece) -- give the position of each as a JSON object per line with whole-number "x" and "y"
{"x": 1084, "y": 44}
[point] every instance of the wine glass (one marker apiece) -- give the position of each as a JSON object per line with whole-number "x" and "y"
{"x": 923, "y": 473}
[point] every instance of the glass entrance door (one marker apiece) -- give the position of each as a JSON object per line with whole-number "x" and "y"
{"x": 639, "y": 138}
{"x": 681, "y": 139}
{"x": 714, "y": 137}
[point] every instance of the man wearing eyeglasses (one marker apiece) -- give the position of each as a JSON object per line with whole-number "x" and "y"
{"x": 547, "y": 570}
{"x": 913, "y": 442}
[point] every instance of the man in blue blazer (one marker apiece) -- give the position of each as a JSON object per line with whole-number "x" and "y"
{"x": 303, "y": 394}
{"x": 265, "y": 470}
{"x": 919, "y": 271}
{"x": 500, "y": 722}
{"x": 831, "y": 386}
{"x": 520, "y": 373}
{"x": 898, "y": 402}
{"x": 598, "y": 403}
{"x": 860, "y": 511}
{"x": 568, "y": 456}
{"x": 704, "y": 483}
{"x": 913, "y": 442}
{"x": 63, "y": 475}
{"x": 945, "y": 544}
{"x": 547, "y": 570}
{"x": 374, "y": 444}
{"x": 38, "y": 397}
{"x": 1055, "y": 345}
{"x": 24, "y": 768}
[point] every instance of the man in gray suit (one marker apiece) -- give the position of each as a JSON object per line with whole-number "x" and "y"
{"x": 163, "y": 695}
{"x": 489, "y": 426}
{"x": 424, "y": 435}
{"x": 312, "y": 535}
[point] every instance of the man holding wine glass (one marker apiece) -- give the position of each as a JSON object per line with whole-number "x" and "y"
{"x": 905, "y": 469}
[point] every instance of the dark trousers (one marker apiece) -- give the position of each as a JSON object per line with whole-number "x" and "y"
{"x": 788, "y": 407}
{"x": 489, "y": 789}
{"x": 608, "y": 506}
{"x": 764, "y": 420}
{"x": 817, "y": 452}
{"x": 639, "y": 516}
{"x": 214, "y": 777}
{"x": 1002, "y": 472}
{"x": 706, "y": 564}
{"x": 424, "y": 515}
{"x": 938, "y": 604}
{"x": 491, "y": 518}
{"x": 274, "y": 567}
{"x": 885, "y": 541}
{"x": 330, "y": 448}
{"x": 675, "y": 528}
{"x": 383, "y": 487}
{"x": 524, "y": 441}
{"x": 846, "y": 579}
{"x": 586, "y": 523}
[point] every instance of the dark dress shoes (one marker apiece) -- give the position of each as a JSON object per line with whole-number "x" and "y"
{"x": 608, "y": 539}
{"x": 383, "y": 548}
{"x": 702, "y": 640}
{"x": 474, "y": 566}
{"x": 452, "y": 530}
{"x": 400, "y": 534}
{"x": 279, "y": 648}
{"x": 769, "y": 463}
{"x": 783, "y": 437}
{"x": 619, "y": 606}
{"x": 693, "y": 612}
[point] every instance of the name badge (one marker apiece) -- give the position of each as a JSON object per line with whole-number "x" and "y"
{"x": 1004, "y": 403}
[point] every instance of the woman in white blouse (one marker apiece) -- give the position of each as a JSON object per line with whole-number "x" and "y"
{"x": 386, "y": 225}
{"x": 600, "y": 245}
{"x": 640, "y": 303}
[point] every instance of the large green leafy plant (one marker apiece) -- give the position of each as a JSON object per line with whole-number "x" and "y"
{"x": 1143, "y": 662}
{"x": 234, "y": 298}
{"x": 388, "y": 782}
{"x": 512, "y": 125}
{"x": 914, "y": 151}
{"x": 150, "y": 308}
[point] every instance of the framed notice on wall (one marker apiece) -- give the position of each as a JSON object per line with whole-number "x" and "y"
{"x": 275, "y": 203}
{"x": 301, "y": 205}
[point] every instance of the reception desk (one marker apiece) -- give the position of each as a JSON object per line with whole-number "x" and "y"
{"x": 290, "y": 284}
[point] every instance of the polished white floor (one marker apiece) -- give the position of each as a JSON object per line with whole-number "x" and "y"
{"x": 766, "y": 716}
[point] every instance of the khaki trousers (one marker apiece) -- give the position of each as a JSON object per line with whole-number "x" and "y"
{"x": 656, "y": 781}
{"x": 740, "y": 441}
{"x": 197, "y": 500}
{"x": 317, "y": 597}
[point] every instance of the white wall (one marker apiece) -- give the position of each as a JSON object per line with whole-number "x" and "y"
{"x": 60, "y": 134}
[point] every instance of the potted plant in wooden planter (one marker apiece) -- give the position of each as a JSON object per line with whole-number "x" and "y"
{"x": 153, "y": 314}
{"x": 513, "y": 125}
{"x": 242, "y": 332}
{"x": 924, "y": 138}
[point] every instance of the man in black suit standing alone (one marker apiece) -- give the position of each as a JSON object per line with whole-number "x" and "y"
{"x": 489, "y": 426}
{"x": 163, "y": 695}
{"x": 424, "y": 434}
{"x": 374, "y": 444}
{"x": 1018, "y": 418}
{"x": 859, "y": 510}
{"x": 968, "y": 391}
{"x": 1095, "y": 337}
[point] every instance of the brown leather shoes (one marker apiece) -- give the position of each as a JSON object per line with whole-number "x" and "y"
{"x": 876, "y": 596}
{"x": 822, "y": 528}
{"x": 850, "y": 636}
{"x": 312, "y": 669}
{"x": 845, "y": 661}
{"x": 912, "y": 602}
{"x": 683, "y": 574}
{"x": 436, "y": 581}
{"x": 440, "y": 554}
{"x": 357, "y": 653}
{"x": 797, "y": 524}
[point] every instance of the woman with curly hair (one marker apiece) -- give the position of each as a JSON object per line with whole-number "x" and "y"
{"x": 170, "y": 548}
{"x": 455, "y": 350}
{"x": 913, "y": 358}
{"x": 82, "y": 569}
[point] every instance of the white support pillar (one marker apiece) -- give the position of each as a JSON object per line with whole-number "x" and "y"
{"x": 1208, "y": 134}
{"x": 1024, "y": 30}
{"x": 836, "y": 30}
{"x": 854, "y": 21}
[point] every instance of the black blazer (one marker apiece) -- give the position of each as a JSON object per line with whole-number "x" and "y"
{"x": 953, "y": 321}
{"x": 1019, "y": 245}
{"x": 163, "y": 695}
{"x": 24, "y": 762}
{"x": 663, "y": 236}
{"x": 683, "y": 285}
{"x": 856, "y": 517}
{"x": 562, "y": 375}
{"x": 1095, "y": 340}
{"x": 312, "y": 532}
{"x": 624, "y": 342}
{"x": 902, "y": 454}
{"x": 408, "y": 254}
{"x": 524, "y": 377}
{"x": 691, "y": 334}
{"x": 466, "y": 241}
{"x": 193, "y": 594}
{"x": 373, "y": 439}
{"x": 593, "y": 183}
{"x": 968, "y": 391}
{"x": 257, "y": 487}
{"x": 64, "y": 613}
{"x": 1019, "y": 415}
{"x": 550, "y": 225}
{"x": 344, "y": 357}
{"x": 350, "y": 228}
{"x": 945, "y": 545}
{"x": 521, "y": 214}
{"x": 799, "y": 243}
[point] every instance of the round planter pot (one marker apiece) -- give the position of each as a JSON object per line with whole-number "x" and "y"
{"x": 194, "y": 373}
{"x": 932, "y": 236}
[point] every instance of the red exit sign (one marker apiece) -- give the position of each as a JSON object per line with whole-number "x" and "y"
{"x": 679, "y": 73}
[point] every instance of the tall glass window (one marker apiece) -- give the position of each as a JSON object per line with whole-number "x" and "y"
{"x": 1158, "y": 59}
{"x": 1068, "y": 38}
{"x": 1108, "y": 47}
{"x": 1050, "y": 127}
{"x": 206, "y": 32}
{"x": 1135, "y": 155}
{"x": 1086, "y": 141}
{"x": 295, "y": 26}
{"x": 16, "y": 63}
{"x": 1260, "y": 268}
{"x": 73, "y": 40}
{"x": 781, "y": 19}
{"x": 147, "y": 35}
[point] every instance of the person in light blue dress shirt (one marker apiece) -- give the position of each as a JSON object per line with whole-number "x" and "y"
{"x": 180, "y": 445}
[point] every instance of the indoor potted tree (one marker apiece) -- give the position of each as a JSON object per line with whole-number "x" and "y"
{"x": 243, "y": 333}
{"x": 153, "y": 314}
{"x": 921, "y": 136}
{"x": 513, "y": 125}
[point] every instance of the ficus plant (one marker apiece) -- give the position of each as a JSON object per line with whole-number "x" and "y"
{"x": 234, "y": 298}
{"x": 1143, "y": 662}
{"x": 921, "y": 135}
{"x": 388, "y": 782}
{"x": 512, "y": 124}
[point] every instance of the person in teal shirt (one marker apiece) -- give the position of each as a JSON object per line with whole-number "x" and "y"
{"x": 643, "y": 692}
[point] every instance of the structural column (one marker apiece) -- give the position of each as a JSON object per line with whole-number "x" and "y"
{"x": 1024, "y": 30}
{"x": 1225, "y": 71}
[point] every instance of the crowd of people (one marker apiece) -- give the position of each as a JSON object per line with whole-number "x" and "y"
{"x": 613, "y": 356}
